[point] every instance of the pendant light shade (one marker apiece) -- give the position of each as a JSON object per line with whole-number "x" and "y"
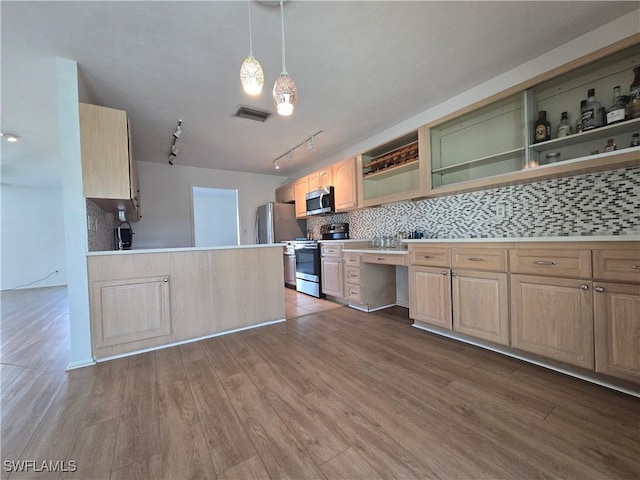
{"x": 251, "y": 75}
{"x": 285, "y": 93}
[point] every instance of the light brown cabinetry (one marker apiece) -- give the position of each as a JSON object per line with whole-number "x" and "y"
{"x": 616, "y": 305}
{"x": 553, "y": 317}
{"x": 331, "y": 269}
{"x": 285, "y": 194}
{"x": 430, "y": 295}
{"x": 128, "y": 310}
{"x": 109, "y": 174}
{"x": 345, "y": 185}
{"x": 369, "y": 285}
{"x": 300, "y": 190}
{"x": 320, "y": 179}
{"x": 617, "y": 330}
{"x": 490, "y": 143}
{"x": 480, "y": 296}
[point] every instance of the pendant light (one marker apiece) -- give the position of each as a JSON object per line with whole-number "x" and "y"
{"x": 285, "y": 93}
{"x": 251, "y": 75}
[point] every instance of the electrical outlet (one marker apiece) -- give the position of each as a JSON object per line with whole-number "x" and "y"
{"x": 501, "y": 211}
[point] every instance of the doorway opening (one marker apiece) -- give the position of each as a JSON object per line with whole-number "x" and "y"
{"x": 215, "y": 217}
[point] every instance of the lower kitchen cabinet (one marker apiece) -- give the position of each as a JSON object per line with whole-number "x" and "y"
{"x": 481, "y": 305}
{"x": 617, "y": 330}
{"x": 129, "y": 310}
{"x": 553, "y": 317}
{"x": 430, "y": 295}
{"x": 332, "y": 276}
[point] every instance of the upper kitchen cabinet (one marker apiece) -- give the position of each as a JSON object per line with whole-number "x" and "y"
{"x": 320, "y": 179}
{"x": 345, "y": 185}
{"x": 492, "y": 142}
{"x": 392, "y": 172}
{"x": 109, "y": 174}
{"x": 285, "y": 193}
{"x": 300, "y": 189}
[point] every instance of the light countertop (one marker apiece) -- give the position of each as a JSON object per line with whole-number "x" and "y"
{"x": 180, "y": 249}
{"x": 583, "y": 238}
{"x": 378, "y": 251}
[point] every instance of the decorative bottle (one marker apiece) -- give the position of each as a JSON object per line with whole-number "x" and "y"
{"x": 542, "y": 128}
{"x": 564, "y": 127}
{"x": 579, "y": 119}
{"x": 591, "y": 112}
{"x": 634, "y": 95}
{"x": 616, "y": 112}
{"x": 635, "y": 140}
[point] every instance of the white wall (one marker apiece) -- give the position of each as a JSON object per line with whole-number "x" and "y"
{"x": 75, "y": 213}
{"x": 32, "y": 236}
{"x": 165, "y": 201}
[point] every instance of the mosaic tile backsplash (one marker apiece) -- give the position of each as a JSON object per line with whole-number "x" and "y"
{"x": 606, "y": 203}
{"x": 101, "y": 238}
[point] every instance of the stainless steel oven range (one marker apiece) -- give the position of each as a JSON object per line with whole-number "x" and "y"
{"x": 308, "y": 268}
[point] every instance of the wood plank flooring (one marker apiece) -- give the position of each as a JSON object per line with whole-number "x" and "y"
{"x": 332, "y": 393}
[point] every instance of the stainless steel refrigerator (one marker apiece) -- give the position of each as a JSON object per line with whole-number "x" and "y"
{"x": 276, "y": 222}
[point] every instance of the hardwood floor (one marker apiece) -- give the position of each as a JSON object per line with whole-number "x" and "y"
{"x": 333, "y": 393}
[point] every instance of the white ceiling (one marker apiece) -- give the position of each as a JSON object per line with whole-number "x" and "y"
{"x": 360, "y": 68}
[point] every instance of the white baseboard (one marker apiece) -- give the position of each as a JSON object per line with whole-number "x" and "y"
{"x": 81, "y": 363}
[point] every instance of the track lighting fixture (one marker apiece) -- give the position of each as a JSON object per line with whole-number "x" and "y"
{"x": 310, "y": 141}
{"x": 174, "y": 147}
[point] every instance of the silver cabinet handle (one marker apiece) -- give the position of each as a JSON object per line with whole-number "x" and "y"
{"x": 428, "y": 256}
{"x": 540, "y": 262}
{"x": 599, "y": 289}
{"x": 636, "y": 267}
{"x": 380, "y": 258}
{"x": 453, "y": 274}
{"x": 166, "y": 279}
{"x": 476, "y": 259}
{"x": 443, "y": 273}
{"x": 584, "y": 287}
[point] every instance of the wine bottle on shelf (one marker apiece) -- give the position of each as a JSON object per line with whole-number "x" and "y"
{"x": 542, "y": 128}
{"x": 579, "y": 119}
{"x": 634, "y": 95}
{"x": 616, "y": 112}
{"x": 564, "y": 127}
{"x": 591, "y": 112}
{"x": 635, "y": 140}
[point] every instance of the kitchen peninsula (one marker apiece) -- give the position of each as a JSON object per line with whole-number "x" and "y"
{"x": 146, "y": 299}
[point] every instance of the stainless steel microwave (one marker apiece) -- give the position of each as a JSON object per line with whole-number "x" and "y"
{"x": 320, "y": 201}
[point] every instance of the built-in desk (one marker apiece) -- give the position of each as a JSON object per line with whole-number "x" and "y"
{"x": 375, "y": 279}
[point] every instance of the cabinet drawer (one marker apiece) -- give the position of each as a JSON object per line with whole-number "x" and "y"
{"x": 492, "y": 259}
{"x": 388, "y": 259}
{"x": 353, "y": 293}
{"x": 555, "y": 263}
{"x": 617, "y": 265}
{"x": 352, "y": 276}
{"x": 352, "y": 259}
{"x": 430, "y": 257}
{"x": 331, "y": 250}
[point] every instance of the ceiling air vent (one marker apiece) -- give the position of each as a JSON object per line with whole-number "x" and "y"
{"x": 252, "y": 114}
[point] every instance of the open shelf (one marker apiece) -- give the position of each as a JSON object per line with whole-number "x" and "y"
{"x": 494, "y": 157}
{"x": 609, "y": 130}
{"x": 391, "y": 171}
{"x": 590, "y": 157}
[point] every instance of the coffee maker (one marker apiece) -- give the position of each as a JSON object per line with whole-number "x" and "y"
{"x": 123, "y": 236}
